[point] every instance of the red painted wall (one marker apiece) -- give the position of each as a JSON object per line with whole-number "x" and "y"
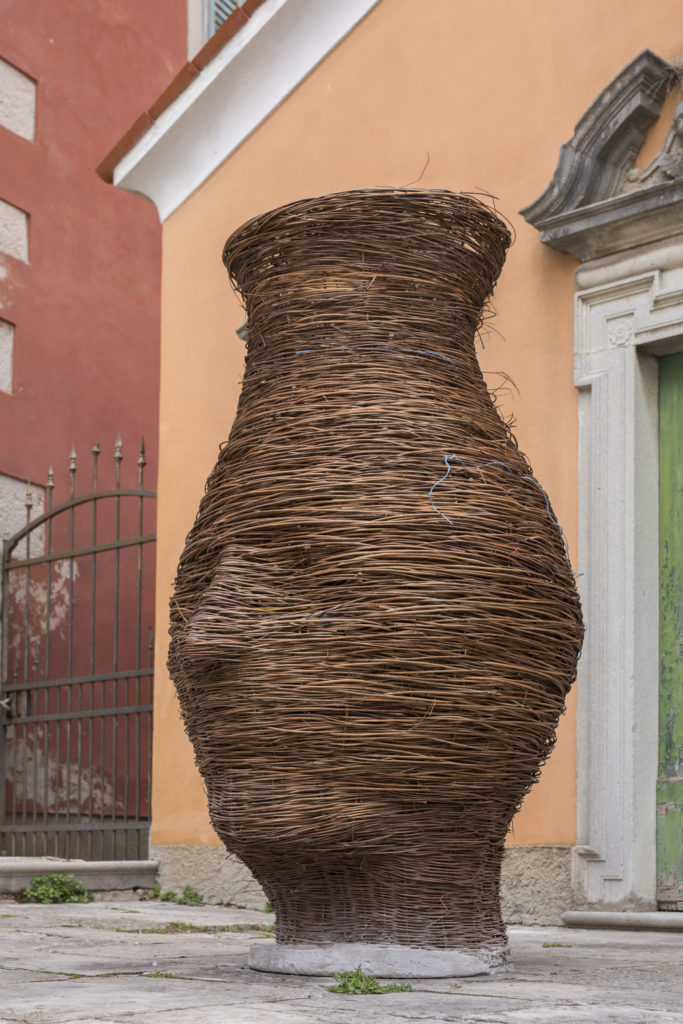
{"x": 87, "y": 306}
{"x": 86, "y": 311}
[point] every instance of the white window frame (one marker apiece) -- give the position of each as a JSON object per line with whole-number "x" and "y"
{"x": 201, "y": 23}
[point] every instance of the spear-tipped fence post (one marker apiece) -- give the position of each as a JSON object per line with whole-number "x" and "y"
{"x": 142, "y": 462}
{"x": 50, "y": 486}
{"x": 118, "y": 456}
{"x": 95, "y": 455}
{"x": 72, "y": 471}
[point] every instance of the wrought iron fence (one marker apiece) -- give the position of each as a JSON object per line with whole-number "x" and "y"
{"x": 77, "y": 671}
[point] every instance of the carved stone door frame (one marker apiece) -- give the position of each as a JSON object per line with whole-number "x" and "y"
{"x": 621, "y": 224}
{"x": 628, "y": 312}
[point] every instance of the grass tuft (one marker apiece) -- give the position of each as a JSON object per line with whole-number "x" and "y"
{"x": 184, "y": 927}
{"x": 189, "y": 897}
{"x": 56, "y": 889}
{"x": 357, "y": 983}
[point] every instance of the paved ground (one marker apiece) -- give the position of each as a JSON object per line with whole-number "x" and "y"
{"x": 100, "y": 963}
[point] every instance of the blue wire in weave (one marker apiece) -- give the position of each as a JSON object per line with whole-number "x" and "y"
{"x": 455, "y": 458}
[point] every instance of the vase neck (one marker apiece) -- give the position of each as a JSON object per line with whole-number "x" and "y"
{"x": 367, "y": 312}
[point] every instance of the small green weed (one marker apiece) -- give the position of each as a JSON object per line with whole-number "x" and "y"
{"x": 56, "y": 889}
{"x": 178, "y": 927}
{"x": 168, "y": 895}
{"x": 189, "y": 897}
{"x": 60, "y": 974}
{"x": 554, "y": 945}
{"x": 161, "y": 974}
{"x": 268, "y": 907}
{"x": 357, "y": 983}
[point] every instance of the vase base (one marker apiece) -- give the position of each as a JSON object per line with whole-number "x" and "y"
{"x": 381, "y": 960}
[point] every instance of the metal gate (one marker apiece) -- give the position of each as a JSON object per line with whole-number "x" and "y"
{"x": 77, "y": 671}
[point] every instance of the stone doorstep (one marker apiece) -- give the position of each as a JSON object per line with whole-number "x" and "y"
{"x": 108, "y": 875}
{"x": 652, "y": 920}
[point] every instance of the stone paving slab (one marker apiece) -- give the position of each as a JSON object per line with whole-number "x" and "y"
{"x": 91, "y": 964}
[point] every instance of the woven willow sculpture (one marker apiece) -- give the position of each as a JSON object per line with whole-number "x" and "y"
{"x": 375, "y": 625}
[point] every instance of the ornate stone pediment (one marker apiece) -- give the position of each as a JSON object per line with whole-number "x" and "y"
{"x": 667, "y": 165}
{"x": 598, "y": 202}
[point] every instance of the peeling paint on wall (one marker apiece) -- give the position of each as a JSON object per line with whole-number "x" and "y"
{"x": 48, "y": 786}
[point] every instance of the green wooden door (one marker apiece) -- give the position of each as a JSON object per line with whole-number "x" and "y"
{"x": 670, "y": 774}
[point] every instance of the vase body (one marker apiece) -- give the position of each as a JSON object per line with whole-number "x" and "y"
{"x": 374, "y": 625}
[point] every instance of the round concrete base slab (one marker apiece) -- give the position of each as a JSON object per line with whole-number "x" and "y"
{"x": 383, "y": 961}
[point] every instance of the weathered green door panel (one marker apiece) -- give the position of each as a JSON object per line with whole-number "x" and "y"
{"x": 670, "y": 781}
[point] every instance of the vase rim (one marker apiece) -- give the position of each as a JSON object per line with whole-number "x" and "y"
{"x": 432, "y": 200}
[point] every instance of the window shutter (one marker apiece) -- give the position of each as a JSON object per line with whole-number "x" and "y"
{"x": 221, "y": 10}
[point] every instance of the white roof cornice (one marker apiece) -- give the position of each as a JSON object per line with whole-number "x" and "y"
{"x": 282, "y": 41}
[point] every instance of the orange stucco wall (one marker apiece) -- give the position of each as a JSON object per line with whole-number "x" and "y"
{"x": 489, "y": 90}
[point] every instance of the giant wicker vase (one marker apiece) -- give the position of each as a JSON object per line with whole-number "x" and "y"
{"x": 375, "y": 624}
